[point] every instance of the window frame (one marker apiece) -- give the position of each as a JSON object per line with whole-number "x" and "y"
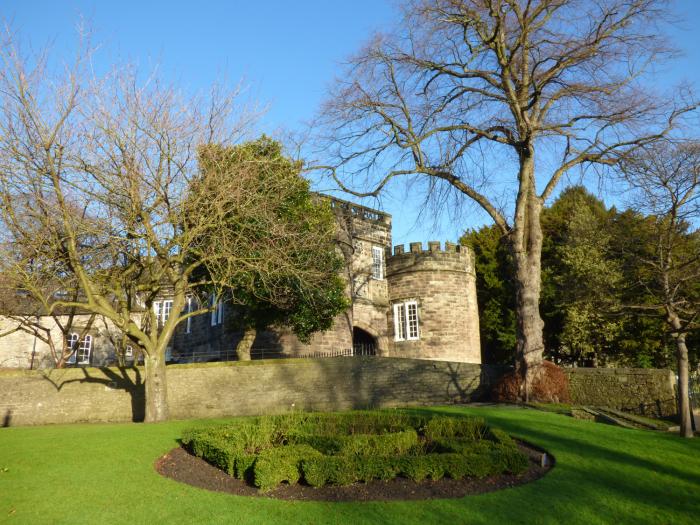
{"x": 82, "y": 354}
{"x": 217, "y": 313}
{"x": 406, "y": 321}
{"x": 188, "y": 323}
{"x": 377, "y": 263}
{"x": 162, "y": 309}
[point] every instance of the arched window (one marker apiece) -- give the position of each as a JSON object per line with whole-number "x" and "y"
{"x": 81, "y": 350}
{"x": 71, "y": 343}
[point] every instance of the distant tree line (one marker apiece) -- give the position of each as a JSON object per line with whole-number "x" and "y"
{"x": 599, "y": 303}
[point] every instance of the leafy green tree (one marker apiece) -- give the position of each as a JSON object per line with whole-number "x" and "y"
{"x": 580, "y": 280}
{"x": 306, "y": 292}
{"x": 591, "y": 269}
{"x": 495, "y": 293}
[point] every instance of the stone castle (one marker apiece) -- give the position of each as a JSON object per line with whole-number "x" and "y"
{"x": 416, "y": 303}
{"x": 419, "y": 303}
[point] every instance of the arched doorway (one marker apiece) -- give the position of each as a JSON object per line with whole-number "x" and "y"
{"x": 363, "y": 343}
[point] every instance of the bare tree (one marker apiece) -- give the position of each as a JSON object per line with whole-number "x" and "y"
{"x": 101, "y": 187}
{"x": 542, "y": 86}
{"x": 666, "y": 183}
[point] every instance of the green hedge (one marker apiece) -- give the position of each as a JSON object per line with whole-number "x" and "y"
{"x": 353, "y": 447}
{"x": 275, "y": 465}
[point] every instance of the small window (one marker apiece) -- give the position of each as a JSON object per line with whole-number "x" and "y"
{"x": 162, "y": 310}
{"x": 217, "y": 313}
{"x": 188, "y": 309}
{"x": 72, "y": 341}
{"x": 82, "y": 353}
{"x": 406, "y": 321}
{"x": 377, "y": 263}
{"x": 129, "y": 352}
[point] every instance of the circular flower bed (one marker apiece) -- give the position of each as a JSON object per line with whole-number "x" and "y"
{"x": 340, "y": 449}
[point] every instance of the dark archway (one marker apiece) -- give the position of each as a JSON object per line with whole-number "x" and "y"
{"x": 363, "y": 343}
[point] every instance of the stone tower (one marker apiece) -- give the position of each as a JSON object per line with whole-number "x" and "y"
{"x": 433, "y": 310}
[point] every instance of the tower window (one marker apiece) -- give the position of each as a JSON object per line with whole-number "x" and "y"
{"x": 406, "y": 321}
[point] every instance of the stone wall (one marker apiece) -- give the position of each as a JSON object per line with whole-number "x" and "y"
{"x": 229, "y": 389}
{"x": 638, "y": 390}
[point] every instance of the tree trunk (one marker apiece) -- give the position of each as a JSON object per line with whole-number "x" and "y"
{"x": 683, "y": 379}
{"x": 245, "y": 344}
{"x": 530, "y": 343}
{"x": 526, "y": 247}
{"x": 156, "y": 389}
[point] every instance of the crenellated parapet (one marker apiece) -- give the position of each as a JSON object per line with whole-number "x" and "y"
{"x": 450, "y": 257}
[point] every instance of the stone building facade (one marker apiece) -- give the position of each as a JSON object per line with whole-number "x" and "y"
{"x": 419, "y": 303}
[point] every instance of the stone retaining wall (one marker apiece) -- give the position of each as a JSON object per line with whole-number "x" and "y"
{"x": 77, "y": 395}
{"x": 637, "y": 390}
{"x": 230, "y": 389}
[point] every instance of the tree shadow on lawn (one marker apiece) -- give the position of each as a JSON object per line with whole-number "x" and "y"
{"x": 593, "y": 475}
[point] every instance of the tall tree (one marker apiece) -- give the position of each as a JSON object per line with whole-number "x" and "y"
{"x": 106, "y": 183}
{"x": 461, "y": 80}
{"x": 581, "y": 279}
{"x": 308, "y": 293}
{"x": 666, "y": 178}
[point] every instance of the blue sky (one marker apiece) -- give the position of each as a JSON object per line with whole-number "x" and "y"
{"x": 287, "y": 52}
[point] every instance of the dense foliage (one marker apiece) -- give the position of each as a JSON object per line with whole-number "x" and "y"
{"x": 346, "y": 448}
{"x": 595, "y": 286}
{"x": 305, "y": 291}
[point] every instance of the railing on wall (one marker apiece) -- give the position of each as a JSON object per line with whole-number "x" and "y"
{"x": 272, "y": 353}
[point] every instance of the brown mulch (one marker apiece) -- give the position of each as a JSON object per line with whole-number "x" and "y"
{"x": 180, "y": 465}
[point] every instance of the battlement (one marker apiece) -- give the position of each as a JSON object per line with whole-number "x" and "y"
{"x": 433, "y": 247}
{"x": 450, "y": 257}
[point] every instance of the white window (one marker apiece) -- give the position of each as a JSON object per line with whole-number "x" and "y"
{"x": 217, "y": 313}
{"x": 377, "y": 263}
{"x": 129, "y": 351}
{"x": 188, "y": 327}
{"x": 162, "y": 310}
{"x": 82, "y": 353}
{"x": 72, "y": 341}
{"x": 406, "y": 321}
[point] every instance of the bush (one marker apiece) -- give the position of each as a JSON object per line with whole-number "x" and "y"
{"x": 380, "y": 445}
{"x": 441, "y": 428}
{"x": 358, "y": 446}
{"x": 550, "y": 385}
{"x": 275, "y": 465}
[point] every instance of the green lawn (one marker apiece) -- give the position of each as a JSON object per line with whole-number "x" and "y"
{"x": 104, "y": 473}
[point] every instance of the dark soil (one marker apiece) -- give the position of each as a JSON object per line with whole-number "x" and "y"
{"x": 180, "y": 465}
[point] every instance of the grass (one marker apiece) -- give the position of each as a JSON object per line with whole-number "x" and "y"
{"x": 604, "y": 474}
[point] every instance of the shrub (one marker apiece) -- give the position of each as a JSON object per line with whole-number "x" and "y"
{"x": 244, "y": 466}
{"x": 550, "y": 385}
{"x": 275, "y": 465}
{"x": 441, "y": 428}
{"x": 358, "y": 446}
{"x": 380, "y": 445}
